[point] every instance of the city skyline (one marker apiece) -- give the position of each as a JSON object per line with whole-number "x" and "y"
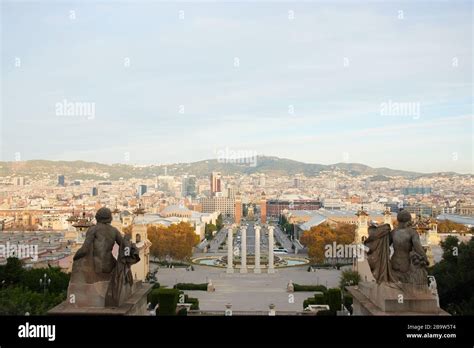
{"x": 389, "y": 85}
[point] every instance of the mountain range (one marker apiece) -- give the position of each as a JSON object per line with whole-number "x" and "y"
{"x": 269, "y": 165}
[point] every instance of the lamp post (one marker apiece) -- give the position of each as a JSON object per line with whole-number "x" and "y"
{"x": 45, "y": 282}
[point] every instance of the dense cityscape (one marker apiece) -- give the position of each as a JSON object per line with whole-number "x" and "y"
{"x": 166, "y": 164}
{"x": 52, "y": 212}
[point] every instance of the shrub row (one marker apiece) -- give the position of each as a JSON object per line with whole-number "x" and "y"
{"x": 331, "y": 297}
{"x": 190, "y": 286}
{"x": 167, "y": 298}
{"x": 298, "y": 287}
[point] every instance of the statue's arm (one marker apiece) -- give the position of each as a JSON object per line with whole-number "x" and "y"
{"x": 417, "y": 247}
{"x": 87, "y": 245}
{"x": 118, "y": 237}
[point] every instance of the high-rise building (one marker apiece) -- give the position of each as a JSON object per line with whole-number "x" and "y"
{"x": 19, "y": 181}
{"x": 216, "y": 184}
{"x": 188, "y": 186}
{"x": 296, "y": 182}
{"x": 61, "y": 180}
{"x": 141, "y": 190}
{"x": 94, "y": 191}
{"x": 231, "y": 191}
{"x": 238, "y": 208}
{"x": 224, "y": 205}
{"x": 263, "y": 208}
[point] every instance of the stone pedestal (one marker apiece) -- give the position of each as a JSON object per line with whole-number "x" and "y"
{"x": 271, "y": 268}
{"x": 370, "y": 298}
{"x": 243, "y": 254}
{"x": 230, "y": 251}
{"x": 136, "y": 304}
{"x": 257, "y": 268}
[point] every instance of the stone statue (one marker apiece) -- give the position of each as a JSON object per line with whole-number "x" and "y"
{"x": 408, "y": 262}
{"x": 290, "y": 287}
{"x": 378, "y": 255}
{"x": 401, "y": 282}
{"x": 96, "y": 274}
{"x": 409, "y": 259}
{"x": 121, "y": 283}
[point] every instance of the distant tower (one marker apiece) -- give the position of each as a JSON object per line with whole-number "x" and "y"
{"x": 362, "y": 231}
{"x": 238, "y": 208}
{"x": 263, "y": 208}
{"x": 61, "y": 180}
{"x": 216, "y": 184}
{"x": 142, "y": 189}
{"x": 71, "y": 220}
{"x": 82, "y": 225}
{"x": 387, "y": 217}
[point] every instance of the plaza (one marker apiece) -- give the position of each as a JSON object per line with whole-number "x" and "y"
{"x": 249, "y": 292}
{"x": 240, "y": 284}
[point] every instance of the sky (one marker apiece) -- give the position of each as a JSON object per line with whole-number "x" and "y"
{"x": 387, "y": 84}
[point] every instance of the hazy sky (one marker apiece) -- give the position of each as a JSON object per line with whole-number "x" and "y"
{"x": 177, "y": 82}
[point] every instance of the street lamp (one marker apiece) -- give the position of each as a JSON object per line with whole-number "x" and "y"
{"x": 45, "y": 282}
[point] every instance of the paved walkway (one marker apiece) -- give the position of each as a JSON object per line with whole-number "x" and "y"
{"x": 248, "y": 292}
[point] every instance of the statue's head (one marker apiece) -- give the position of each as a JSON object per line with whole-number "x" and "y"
{"x": 404, "y": 216}
{"x": 104, "y": 215}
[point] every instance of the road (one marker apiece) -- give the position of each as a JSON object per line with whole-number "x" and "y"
{"x": 218, "y": 239}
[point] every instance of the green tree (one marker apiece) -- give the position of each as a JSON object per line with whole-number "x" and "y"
{"x": 455, "y": 277}
{"x": 12, "y": 272}
{"x": 209, "y": 231}
{"x": 349, "y": 278}
{"x": 219, "y": 222}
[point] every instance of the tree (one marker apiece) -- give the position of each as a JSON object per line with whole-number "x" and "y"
{"x": 22, "y": 291}
{"x": 12, "y": 272}
{"x": 219, "y": 222}
{"x": 175, "y": 241}
{"x": 319, "y": 236}
{"x": 448, "y": 226}
{"x": 349, "y": 278}
{"x": 454, "y": 275}
{"x": 209, "y": 231}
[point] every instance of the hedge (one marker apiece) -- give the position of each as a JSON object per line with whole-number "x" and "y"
{"x": 167, "y": 298}
{"x": 334, "y": 299}
{"x": 309, "y": 301}
{"x": 320, "y": 299}
{"x": 347, "y": 300}
{"x": 298, "y": 287}
{"x": 191, "y": 286}
{"x": 194, "y": 302}
{"x": 325, "y": 312}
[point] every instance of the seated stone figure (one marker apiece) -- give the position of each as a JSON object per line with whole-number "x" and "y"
{"x": 409, "y": 259}
{"x": 94, "y": 265}
{"x": 408, "y": 262}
